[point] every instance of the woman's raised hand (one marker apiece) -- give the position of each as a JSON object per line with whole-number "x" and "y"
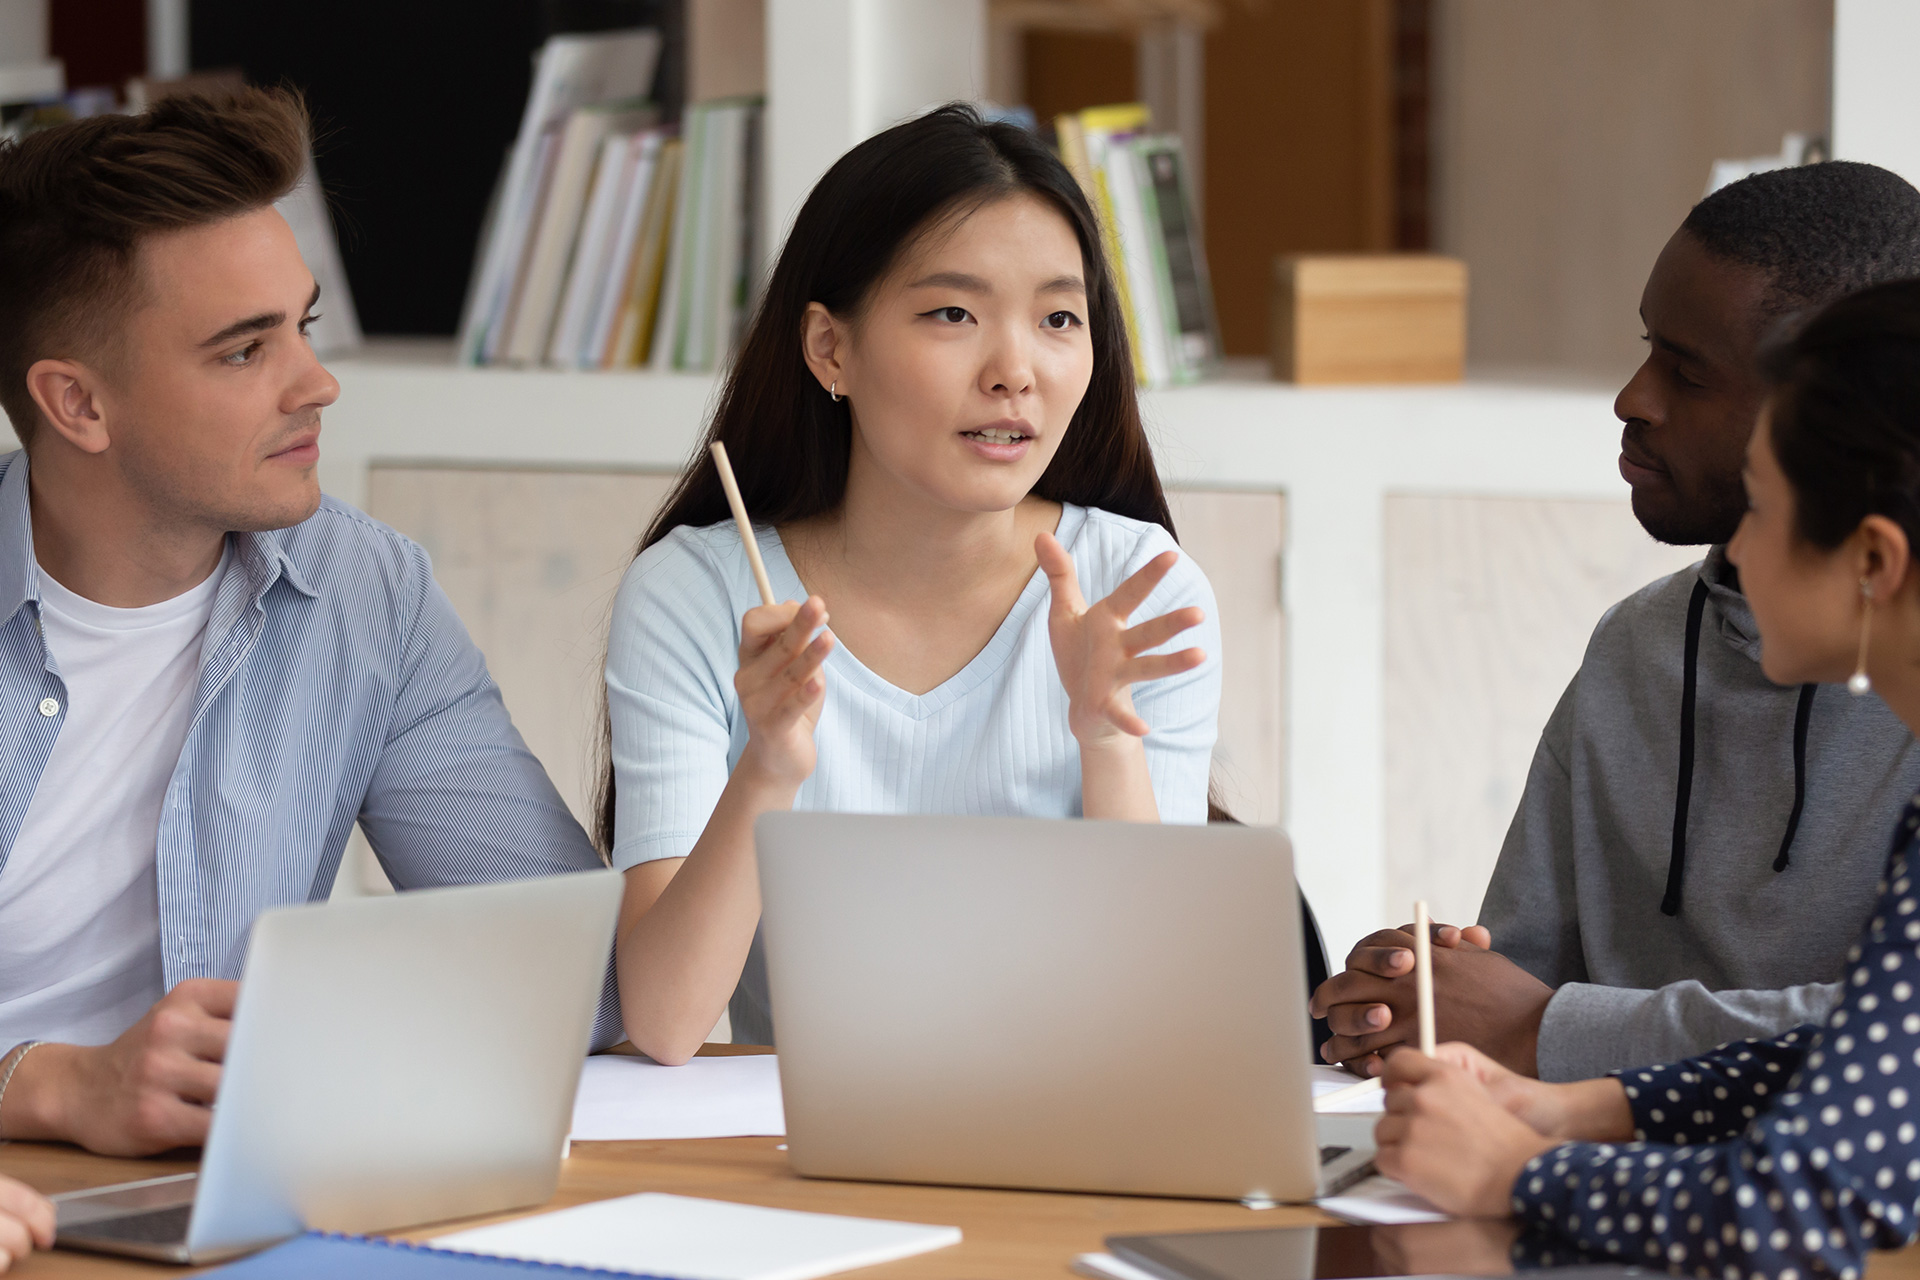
{"x": 1099, "y": 656}
{"x": 782, "y": 687}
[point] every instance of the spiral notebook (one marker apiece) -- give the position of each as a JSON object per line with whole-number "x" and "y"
{"x": 319, "y": 1256}
{"x": 662, "y": 1237}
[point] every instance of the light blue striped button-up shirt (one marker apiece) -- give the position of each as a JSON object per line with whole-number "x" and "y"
{"x": 336, "y": 683}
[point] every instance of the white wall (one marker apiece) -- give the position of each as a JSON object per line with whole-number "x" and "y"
{"x": 1572, "y": 137}
{"x": 1489, "y": 603}
{"x": 1876, "y": 94}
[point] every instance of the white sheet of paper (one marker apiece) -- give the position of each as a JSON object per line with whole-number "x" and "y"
{"x": 1328, "y": 1079}
{"x": 635, "y": 1099}
{"x": 1380, "y": 1201}
{"x": 698, "y": 1239}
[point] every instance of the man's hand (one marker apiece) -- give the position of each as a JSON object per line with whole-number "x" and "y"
{"x": 151, "y": 1090}
{"x": 26, "y": 1221}
{"x": 1448, "y": 1138}
{"x": 1479, "y": 996}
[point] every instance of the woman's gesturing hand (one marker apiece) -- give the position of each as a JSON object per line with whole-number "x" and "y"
{"x": 782, "y": 687}
{"x": 1099, "y": 656}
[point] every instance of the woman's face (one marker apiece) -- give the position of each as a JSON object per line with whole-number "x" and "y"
{"x": 1805, "y": 600}
{"x": 968, "y": 361}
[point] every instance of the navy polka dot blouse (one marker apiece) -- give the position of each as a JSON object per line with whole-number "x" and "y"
{"x": 1786, "y": 1158}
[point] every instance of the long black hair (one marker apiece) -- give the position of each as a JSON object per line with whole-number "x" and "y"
{"x": 1846, "y": 414}
{"x": 790, "y": 442}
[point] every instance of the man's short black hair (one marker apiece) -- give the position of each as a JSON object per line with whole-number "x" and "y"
{"x": 1817, "y": 230}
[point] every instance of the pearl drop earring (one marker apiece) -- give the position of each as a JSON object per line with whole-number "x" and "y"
{"x": 1858, "y": 683}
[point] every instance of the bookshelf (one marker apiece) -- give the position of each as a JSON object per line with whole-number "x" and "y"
{"x": 1341, "y": 456}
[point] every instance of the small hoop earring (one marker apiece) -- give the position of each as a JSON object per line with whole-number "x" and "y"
{"x": 830, "y": 391}
{"x": 1858, "y": 683}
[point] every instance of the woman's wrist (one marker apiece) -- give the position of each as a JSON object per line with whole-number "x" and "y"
{"x": 1114, "y": 780}
{"x": 1591, "y": 1111}
{"x": 1106, "y": 739}
{"x": 766, "y": 781}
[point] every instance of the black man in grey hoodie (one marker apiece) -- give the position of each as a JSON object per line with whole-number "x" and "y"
{"x": 1696, "y": 847}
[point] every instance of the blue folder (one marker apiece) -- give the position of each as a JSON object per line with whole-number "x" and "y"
{"x": 324, "y": 1256}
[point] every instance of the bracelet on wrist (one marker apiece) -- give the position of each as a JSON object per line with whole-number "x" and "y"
{"x": 9, "y": 1065}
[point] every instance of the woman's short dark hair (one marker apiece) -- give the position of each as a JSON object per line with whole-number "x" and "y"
{"x": 790, "y": 442}
{"x": 1846, "y": 414}
{"x": 76, "y": 200}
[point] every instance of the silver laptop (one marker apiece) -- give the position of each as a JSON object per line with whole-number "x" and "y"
{"x": 393, "y": 1061}
{"x": 1072, "y": 1006}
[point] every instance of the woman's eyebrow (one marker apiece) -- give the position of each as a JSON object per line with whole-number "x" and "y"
{"x": 952, "y": 280}
{"x": 1063, "y": 284}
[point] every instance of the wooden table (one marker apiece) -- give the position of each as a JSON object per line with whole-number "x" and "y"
{"x": 1009, "y": 1235}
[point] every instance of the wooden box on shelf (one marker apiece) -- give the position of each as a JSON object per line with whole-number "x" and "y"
{"x": 1369, "y": 317}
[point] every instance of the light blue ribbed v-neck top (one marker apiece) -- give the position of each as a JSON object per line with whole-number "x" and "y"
{"x": 993, "y": 739}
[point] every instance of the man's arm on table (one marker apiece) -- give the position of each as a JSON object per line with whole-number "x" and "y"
{"x": 456, "y": 798}
{"x": 150, "y": 1090}
{"x": 1590, "y": 1030}
{"x": 1480, "y": 997}
{"x": 1577, "y": 1032}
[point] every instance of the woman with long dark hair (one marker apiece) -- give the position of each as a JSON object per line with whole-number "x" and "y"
{"x": 1792, "y": 1157}
{"x": 933, "y": 422}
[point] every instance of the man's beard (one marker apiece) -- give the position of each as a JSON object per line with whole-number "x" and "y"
{"x": 1710, "y": 517}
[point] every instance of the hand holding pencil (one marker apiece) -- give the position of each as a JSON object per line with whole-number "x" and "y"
{"x": 1459, "y": 1126}
{"x": 780, "y": 682}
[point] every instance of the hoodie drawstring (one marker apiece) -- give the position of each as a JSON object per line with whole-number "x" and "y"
{"x": 1801, "y": 714}
{"x": 1683, "y": 792}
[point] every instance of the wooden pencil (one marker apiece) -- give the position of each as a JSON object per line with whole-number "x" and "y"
{"x": 747, "y": 539}
{"x": 1423, "y": 974}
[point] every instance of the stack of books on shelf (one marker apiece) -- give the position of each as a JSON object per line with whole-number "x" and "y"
{"x": 612, "y": 242}
{"x": 1137, "y": 183}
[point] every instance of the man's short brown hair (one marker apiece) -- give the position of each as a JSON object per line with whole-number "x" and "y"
{"x": 76, "y": 200}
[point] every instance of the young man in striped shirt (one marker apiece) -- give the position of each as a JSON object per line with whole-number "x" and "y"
{"x": 208, "y": 672}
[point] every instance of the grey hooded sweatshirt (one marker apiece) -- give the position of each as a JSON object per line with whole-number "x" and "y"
{"x": 1660, "y": 946}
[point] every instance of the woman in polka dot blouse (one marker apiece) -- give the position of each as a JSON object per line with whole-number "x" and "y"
{"x": 1791, "y": 1157}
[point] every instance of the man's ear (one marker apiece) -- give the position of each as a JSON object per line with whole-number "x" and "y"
{"x": 823, "y": 342}
{"x": 68, "y": 394}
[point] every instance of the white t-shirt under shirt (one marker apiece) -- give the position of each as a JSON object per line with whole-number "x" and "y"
{"x": 79, "y": 905}
{"x": 993, "y": 739}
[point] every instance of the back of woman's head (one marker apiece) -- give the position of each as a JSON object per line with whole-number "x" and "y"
{"x": 790, "y": 440}
{"x": 1845, "y": 419}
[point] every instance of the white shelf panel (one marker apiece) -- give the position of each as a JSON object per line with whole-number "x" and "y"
{"x": 1486, "y": 437}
